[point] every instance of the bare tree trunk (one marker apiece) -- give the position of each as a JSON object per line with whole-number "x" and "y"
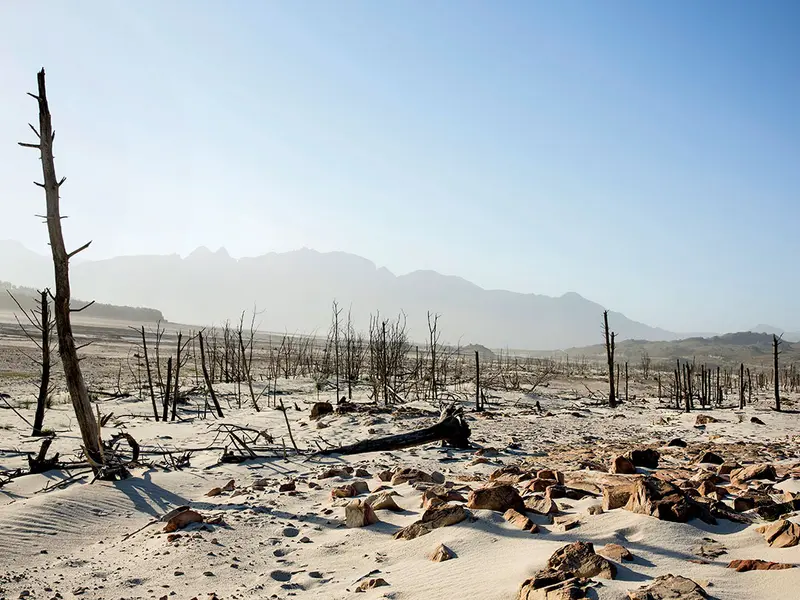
{"x": 776, "y": 341}
{"x": 167, "y": 392}
{"x": 207, "y": 378}
{"x": 612, "y": 399}
{"x": 478, "y": 406}
{"x": 149, "y": 375}
{"x": 44, "y": 385}
{"x": 79, "y": 393}
{"x": 177, "y": 389}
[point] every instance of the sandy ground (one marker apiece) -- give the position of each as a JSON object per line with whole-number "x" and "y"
{"x": 99, "y": 540}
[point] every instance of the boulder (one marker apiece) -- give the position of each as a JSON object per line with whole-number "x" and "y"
{"x": 751, "y": 472}
{"x": 496, "y": 497}
{"x": 359, "y": 513}
{"x": 551, "y": 474}
{"x": 382, "y": 501}
{"x": 510, "y": 474}
{"x": 439, "y": 494}
{"x": 541, "y": 506}
{"x": 320, "y": 409}
{"x": 441, "y": 553}
{"x": 711, "y": 458}
{"x": 771, "y": 512}
{"x": 615, "y": 552}
{"x": 757, "y": 565}
{"x": 580, "y": 559}
{"x": 553, "y": 585}
{"x": 433, "y": 518}
{"x": 782, "y": 534}
{"x": 705, "y": 420}
{"x": 410, "y": 474}
{"x": 622, "y": 465}
{"x": 670, "y": 587}
{"x": 665, "y": 501}
{"x": 677, "y": 443}
{"x": 520, "y": 521}
{"x": 644, "y": 457}
{"x": 616, "y": 496}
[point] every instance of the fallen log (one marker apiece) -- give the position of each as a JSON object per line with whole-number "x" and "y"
{"x": 451, "y": 428}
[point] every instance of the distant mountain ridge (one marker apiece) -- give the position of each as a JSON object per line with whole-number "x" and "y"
{"x": 295, "y": 290}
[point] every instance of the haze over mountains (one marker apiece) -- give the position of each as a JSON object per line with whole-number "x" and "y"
{"x": 295, "y": 290}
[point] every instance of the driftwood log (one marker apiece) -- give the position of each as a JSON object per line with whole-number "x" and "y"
{"x": 451, "y": 428}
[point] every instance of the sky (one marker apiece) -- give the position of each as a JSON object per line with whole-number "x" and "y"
{"x": 645, "y": 155}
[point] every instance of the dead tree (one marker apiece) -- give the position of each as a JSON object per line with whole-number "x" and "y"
{"x": 451, "y": 428}
{"x": 149, "y": 374}
{"x": 776, "y": 342}
{"x": 40, "y": 319}
{"x": 207, "y": 377}
{"x": 478, "y": 406}
{"x": 610, "y": 346}
{"x": 247, "y": 359}
{"x": 78, "y": 392}
{"x": 741, "y": 386}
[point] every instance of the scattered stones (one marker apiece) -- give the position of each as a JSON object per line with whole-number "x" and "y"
{"x": 710, "y": 548}
{"x": 520, "y": 521}
{"x": 757, "y": 565}
{"x": 670, "y": 587}
{"x": 441, "y": 553}
{"x": 359, "y": 514}
{"x": 580, "y": 559}
{"x": 615, "y": 552}
{"x": 496, "y": 497}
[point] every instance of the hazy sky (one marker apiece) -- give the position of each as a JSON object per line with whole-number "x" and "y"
{"x": 643, "y": 154}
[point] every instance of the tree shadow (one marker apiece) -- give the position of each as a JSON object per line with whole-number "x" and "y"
{"x": 147, "y": 496}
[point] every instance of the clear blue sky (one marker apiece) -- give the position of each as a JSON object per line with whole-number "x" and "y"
{"x": 643, "y": 154}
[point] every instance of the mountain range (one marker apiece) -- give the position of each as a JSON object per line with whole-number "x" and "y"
{"x": 293, "y": 291}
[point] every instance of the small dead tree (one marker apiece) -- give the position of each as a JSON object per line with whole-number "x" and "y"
{"x": 645, "y": 364}
{"x": 149, "y": 374}
{"x": 40, "y": 319}
{"x": 610, "y": 347}
{"x": 79, "y": 393}
{"x": 776, "y": 342}
{"x": 207, "y": 376}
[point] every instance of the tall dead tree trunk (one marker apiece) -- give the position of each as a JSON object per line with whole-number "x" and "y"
{"x": 776, "y": 342}
{"x": 612, "y": 401}
{"x": 477, "y": 382}
{"x": 149, "y": 374}
{"x": 78, "y": 392}
{"x": 207, "y": 377}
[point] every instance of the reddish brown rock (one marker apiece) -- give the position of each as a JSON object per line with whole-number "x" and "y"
{"x": 553, "y": 585}
{"x": 616, "y": 496}
{"x": 433, "y": 518}
{"x": 510, "y": 474}
{"x": 409, "y": 474}
{"x": 615, "y": 552}
{"x": 580, "y": 558}
{"x": 520, "y": 521}
{"x": 182, "y": 519}
{"x": 751, "y": 472}
{"x": 644, "y": 457}
{"x": 782, "y": 534}
{"x": 757, "y": 565}
{"x": 623, "y": 466}
{"x": 669, "y": 587}
{"x": 371, "y": 584}
{"x": 359, "y": 514}
{"x": 665, "y": 501}
{"x": 441, "y": 553}
{"x": 496, "y": 497}
{"x": 320, "y": 409}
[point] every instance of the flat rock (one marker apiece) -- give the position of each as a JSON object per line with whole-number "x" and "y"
{"x": 520, "y": 521}
{"x": 757, "y": 565}
{"x": 782, "y": 534}
{"x": 670, "y": 587}
{"x": 615, "y": 552}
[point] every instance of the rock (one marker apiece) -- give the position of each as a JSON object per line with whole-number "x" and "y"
{"x": 710, "y": 548}
{"x": 496, "y": 497}
{"x": 386, "y": 475}
{"x": 437, "y": 477}
{"x": 727, "y": 468}
{"x": 333, "y": 472}
{"x": 757, "y": 565}
{"x": 744, "y": 503}
{"x": 359, "y": 514}
{"x": 756, "y": 420}
{"x": 182, "y": 519}
{"x": 230, "y": 486}
{"x": 579, "y": 558}
{"x": 439, "y": 494}
{"x": 665, "y": 501}
{"x": 520, "y": 521}
{"x": 552, "y": 585}
{"x": 616, "y": 496}
{"x": 409, "y": 474}
{"x": 370, "y": 584}
{"x": 677, "y": 443}
{"x": 383, "y": 501}
{"x": 705, "y": 420}
{"x": 770, "y": 512}
{"x": 711, "y": 458}
{"x": 595, "y": 510}
{"x": 433, "y": 518}
{"x": 751, "y": 472}
{"x": 707, "y": 488}
{"x": 669, "y": 587}
{"x": 343, "y": 491}
{"x": 361, "y": 472}
{"x": 782, "y": 534}
{"x": 541, "y": 506}
{"x": 279, "y": 575}
{"x": 441, "y": 553}
{"x": 623, "y": 466}
{"x": 615, "y": 552}
{"x": 550, "y": 474}
{"x": 567, "y": 523}
{"x": 360, "y": 486}
{"x": 644, "y": 457}
{"x": 289, "y": 486}
{"x": 510, "y": 474}
{"x": 320, "y": 409}
{"x": 214, "y": 492}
